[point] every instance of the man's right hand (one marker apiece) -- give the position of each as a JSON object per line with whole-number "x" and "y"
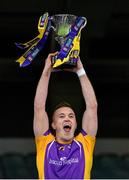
{"x": 48, "y": 64}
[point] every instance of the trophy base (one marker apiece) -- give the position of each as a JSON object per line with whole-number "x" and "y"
{"x": 68, "y": 65}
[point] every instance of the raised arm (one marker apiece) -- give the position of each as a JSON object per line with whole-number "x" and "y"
{"x": 41, "y": 122}
{"x": 90, "y": 119}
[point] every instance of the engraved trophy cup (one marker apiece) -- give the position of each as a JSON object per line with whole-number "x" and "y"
{"x": 67, "y": 32}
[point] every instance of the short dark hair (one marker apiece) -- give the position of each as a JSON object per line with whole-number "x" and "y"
{"x": 63, "y": 104}
{"x": 59, "y": 105}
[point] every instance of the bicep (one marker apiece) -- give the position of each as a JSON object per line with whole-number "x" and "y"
{"x": 40, "y": 122}
{"x": 90, "y": 122}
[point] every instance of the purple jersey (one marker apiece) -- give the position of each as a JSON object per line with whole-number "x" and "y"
{"x": 64, "y": 161}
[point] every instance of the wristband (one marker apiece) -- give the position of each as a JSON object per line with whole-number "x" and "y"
{"x": 81, "y": 72}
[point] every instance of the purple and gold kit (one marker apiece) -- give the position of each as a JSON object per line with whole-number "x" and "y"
{"x": 64, "y": 161}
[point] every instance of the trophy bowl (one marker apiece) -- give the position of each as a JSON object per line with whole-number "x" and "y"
{"x": 61, "y": 24}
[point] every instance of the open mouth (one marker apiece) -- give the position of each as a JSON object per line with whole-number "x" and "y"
{"x": 67, "y": 128}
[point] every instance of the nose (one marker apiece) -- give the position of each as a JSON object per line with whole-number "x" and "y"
{"x": 67, "y": 119}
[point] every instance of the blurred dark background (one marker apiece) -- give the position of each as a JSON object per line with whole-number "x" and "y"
{"x": 104, "y": 53}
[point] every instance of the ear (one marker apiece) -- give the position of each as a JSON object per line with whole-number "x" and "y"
{"x": 53, "y": 125}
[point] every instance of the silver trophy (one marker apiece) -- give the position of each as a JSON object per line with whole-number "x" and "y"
{"x": 67, "y": 32}
{"x": 62, "y": 25}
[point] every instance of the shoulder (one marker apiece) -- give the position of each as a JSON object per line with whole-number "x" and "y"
{"x": 87, "y": 141}
{"x": 46, "y": 138}
{"x": 84, "y": 137}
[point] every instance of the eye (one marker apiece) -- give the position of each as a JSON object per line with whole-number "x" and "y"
{"x": 71, "y": 116}
{"x": 61, "y": 116}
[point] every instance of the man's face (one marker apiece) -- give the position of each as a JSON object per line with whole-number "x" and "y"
{"x": 64, "y": 123}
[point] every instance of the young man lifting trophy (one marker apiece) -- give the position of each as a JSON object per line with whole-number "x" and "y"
{"x": 62, "y": 154}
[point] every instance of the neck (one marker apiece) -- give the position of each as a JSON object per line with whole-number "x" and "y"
{"x": 62, "y": 141}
